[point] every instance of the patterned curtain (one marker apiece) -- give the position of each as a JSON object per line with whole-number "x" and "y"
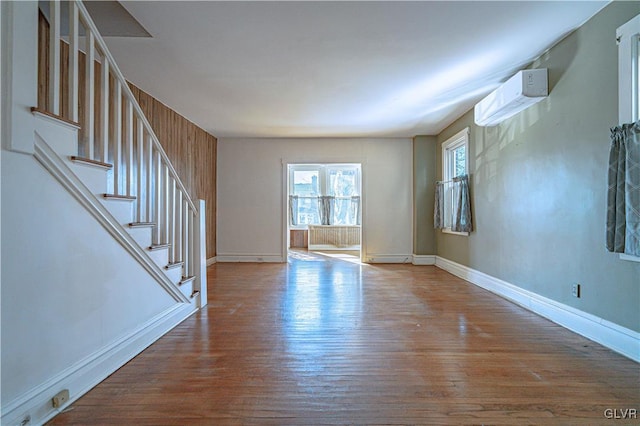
{"x": 293, "y": 209}
{"x": 623, "y": 194}
{"x": 438, "y": 207}
{"x": 355, "y": 209}
{"x": 461, "y": 217}
{"x": 325, "y": 208}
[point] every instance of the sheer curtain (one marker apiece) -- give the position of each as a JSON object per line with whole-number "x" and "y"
{"x": 452, "y": 207}
{"x": 623, "y": 194}
{"x": 293, "y": 209}
{"x": 355, "y": 209}
{"x": 461, "y": 207}
{"x": 325, "y": 208}
{"x": 438, "y": 207}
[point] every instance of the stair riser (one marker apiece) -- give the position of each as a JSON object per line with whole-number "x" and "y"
{"x": 160, "y": 257}
{"x": 187, "y": 288}
{"x": 121, "y": 210}
{"x": 93, "y": 178}
{"x": 141, "y": 235}
{"x": 174, "y": 274}
{"x": 62, "y": 138}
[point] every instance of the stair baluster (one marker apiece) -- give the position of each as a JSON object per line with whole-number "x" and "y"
{"x": 116, "y": 131}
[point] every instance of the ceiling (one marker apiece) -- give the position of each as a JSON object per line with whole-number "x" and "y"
{"x": 335, "y": 69}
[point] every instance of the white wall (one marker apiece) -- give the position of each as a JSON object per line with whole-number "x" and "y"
{"x": 69, "y": 290}
{"x": 252, "y": 194}
{"x": 75, "y": 305}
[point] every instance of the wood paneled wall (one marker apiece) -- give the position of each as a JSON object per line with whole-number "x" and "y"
{"x": 192, "y": 150}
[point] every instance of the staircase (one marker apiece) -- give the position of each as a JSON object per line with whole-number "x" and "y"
{"x": 105, "y": 248}
{"x": 116, "y": 165}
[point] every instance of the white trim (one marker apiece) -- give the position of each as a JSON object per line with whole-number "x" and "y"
{"x": 387, "y": 258}
{"x": 200, "y": 254}
{"x": 449, "y": 231}
{"x": 65, "y": 123}
{"x": 628, "y": 70}
{"x": 252, "y": 258}
{"x": 629, "y": 257}
{"x": 613, "y": 336}
{"x": 61, "y": 172}
{"x": 628, "y": 102}
{"x": 211, "y": 261}
{"x": 451, "y": 144}
{"x": 422, "y": 260}
{"x": 286, "y": 162}
{"x": 19, "y": 74}
{"x": 85, "y": 374}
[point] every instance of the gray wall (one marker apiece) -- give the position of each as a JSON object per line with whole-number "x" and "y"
{"x": 539, "y": 182}
{"x": 424, "y": 175}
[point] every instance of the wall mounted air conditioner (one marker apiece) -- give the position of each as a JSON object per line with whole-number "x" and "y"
{"x": 521, "y": 91}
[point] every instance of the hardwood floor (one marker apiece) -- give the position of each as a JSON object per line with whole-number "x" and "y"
{"x": 326, "y": 340}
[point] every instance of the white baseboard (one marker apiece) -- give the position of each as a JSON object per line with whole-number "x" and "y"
{"x": 615, "y": 337}
{"x": 387, "y": 258}
{"x": 85, "y": 374}
{"x": 211, "y": 261}
{"x": 252, "y": 258}
{"x": 419, "y": 259}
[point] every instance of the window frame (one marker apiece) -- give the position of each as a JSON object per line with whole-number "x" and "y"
{"x": 324, "y": 177}
{"x": 628, "y": 39}
{"x": 448, "y": 168}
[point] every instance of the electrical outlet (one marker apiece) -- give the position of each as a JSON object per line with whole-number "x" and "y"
{"x": 60, "y": 398}
{"x": 575, "y": 290}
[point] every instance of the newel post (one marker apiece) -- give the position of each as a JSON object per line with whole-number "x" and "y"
{"x": 19, "y": 40}
{"x": 200, "y": 254}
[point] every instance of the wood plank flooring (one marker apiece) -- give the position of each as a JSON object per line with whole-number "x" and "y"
{"x": 325, "y": 340}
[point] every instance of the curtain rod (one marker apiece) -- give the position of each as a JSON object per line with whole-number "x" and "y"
{"x": 455, "y": 179}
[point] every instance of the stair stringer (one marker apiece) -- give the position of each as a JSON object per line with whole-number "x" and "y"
{"x": 59, "y": 170}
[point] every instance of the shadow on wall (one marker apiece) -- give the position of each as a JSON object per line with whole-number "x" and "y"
{"x": 489, "y": 141}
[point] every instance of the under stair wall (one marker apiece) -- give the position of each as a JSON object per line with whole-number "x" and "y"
{"x": 81, "y": 295}
{"x": 75, "y": 304}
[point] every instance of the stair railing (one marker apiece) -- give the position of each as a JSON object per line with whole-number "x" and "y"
{"x": 115, "y": 130}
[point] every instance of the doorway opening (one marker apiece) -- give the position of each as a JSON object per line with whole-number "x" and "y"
{"x": 324, "y": 212}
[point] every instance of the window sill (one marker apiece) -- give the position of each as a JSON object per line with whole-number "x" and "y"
{"x": 629, "y": 257}
{"x": 449, "y": 231}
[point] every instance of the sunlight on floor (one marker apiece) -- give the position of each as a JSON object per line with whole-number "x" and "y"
{"x": 304, "y": 256}
{"x": 350, "y": 256}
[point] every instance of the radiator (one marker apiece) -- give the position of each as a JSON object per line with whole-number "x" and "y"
{"x": 336, "y": 237}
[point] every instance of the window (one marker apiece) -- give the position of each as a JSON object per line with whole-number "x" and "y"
{"x": 306, "y": 185}
{"x": 455, "y": 163}
{"x": 628, "y": 37}
{"x": 339, "y": 182}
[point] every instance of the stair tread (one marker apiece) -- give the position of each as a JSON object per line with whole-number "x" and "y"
{"x": 195, "y": 293}
{"x": 186, "y": 279}
{"x": 158, "y": 246}
{"x": 119, "y": 197}
{"x": 172, "y": 265}
{"x": 141, "y": 225}
{"x": 41, "y": 111}
{"x": 90, "y": 162}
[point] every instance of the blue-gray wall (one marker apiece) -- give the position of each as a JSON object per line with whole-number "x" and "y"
{"x": 539, "y": 182}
